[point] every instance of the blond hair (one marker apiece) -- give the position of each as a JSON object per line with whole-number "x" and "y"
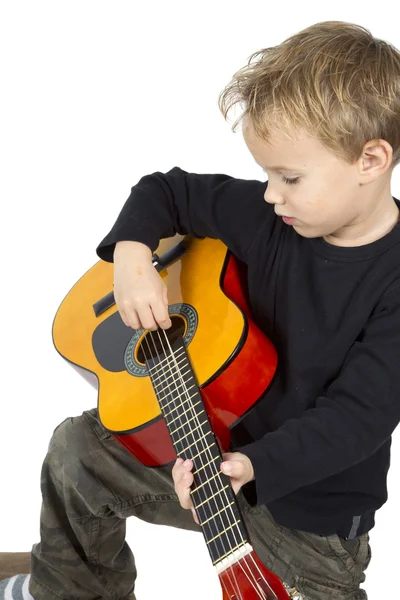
{"x": 332, "y": 80}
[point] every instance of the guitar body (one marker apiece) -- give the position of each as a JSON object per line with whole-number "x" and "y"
{"x": 230, "y": 359}
{"x": 233, "y": 360}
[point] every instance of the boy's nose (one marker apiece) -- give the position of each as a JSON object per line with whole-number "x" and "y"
{"x": 273, "y": 198}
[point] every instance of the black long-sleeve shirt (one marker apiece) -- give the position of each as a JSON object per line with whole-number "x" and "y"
{"x": 319, "y": 439}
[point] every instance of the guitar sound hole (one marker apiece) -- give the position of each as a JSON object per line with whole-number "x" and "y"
{"x": 154, "y": 342}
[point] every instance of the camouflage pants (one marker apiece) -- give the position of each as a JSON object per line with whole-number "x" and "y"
{"x": 91, "y": 484}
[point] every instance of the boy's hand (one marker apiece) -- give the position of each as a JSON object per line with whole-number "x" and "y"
{"x": 236, "y": 465}
{"x": 140, "y": 293}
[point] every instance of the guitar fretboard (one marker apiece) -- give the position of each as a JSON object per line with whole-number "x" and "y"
{"x": 183, "y": 409}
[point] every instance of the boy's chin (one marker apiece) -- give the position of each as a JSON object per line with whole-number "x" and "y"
{"x": 308, "y": 232}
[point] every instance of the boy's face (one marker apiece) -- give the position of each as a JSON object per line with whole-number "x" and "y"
{"x": 327, "y": 198}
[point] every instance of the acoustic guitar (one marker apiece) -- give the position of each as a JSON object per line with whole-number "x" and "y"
{"x": 177, "y": 392}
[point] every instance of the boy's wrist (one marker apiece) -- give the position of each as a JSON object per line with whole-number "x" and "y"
{"x": 135, "y": 248}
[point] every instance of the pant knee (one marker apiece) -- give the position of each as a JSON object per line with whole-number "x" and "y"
{"x": 72, "y": 471}
{"x": 74, "y": 437}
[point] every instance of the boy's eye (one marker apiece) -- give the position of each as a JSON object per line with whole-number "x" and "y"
{"x": 286, "y": 180}
{"x": 290, "y": 181}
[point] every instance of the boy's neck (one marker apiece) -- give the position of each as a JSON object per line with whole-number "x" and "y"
{"x": 388, "y": 219}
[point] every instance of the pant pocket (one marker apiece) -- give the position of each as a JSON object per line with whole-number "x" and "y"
{"x": 319, "y": 559}
{"x": 357, "y": 551}
{"x": 351, "y": 546}
{"x": 92, "y": 417}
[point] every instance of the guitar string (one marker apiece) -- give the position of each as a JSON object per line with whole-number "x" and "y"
{"x": 259, "y": 591}
{"x": 218, "y": 491}
{"x": 179, "y": 417}
{"x": 235, "y": 587}
{"x": 219, "y": 473}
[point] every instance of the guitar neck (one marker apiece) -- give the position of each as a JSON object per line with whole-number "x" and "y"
{"x": 184, "y": 412}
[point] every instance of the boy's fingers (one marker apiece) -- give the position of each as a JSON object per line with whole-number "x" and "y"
{"x": 183, "y": 490}
{"x": 176, "y": 470}
{"x": 195, "y": 515}
{"x": 180, "y": 467}
{"x": 183, "y": 479}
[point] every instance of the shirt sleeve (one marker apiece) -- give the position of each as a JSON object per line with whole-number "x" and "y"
{"x": 201, "y": 205}
{"x": 358, "y": 413}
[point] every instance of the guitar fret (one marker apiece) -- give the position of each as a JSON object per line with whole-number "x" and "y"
{"x": 202, "y": 437}
{"x": 171, "y": 376}
{"x": 160, "y": 398}
{"x": 206, "y": 465}
{"x": 185, "y": 415}
{"x": 182, "y": 450}
{"x": 176, "y": 407}
{"x": 176, "y": 396}
{"x": 230, "y": 552}
{"x": 188, "y": 421}
{"x": 213, "y": 496}
{"x": 216, "y": 514}
{"x": 205, "y": 449}
{"x": 222, "y": 532}
{"x": 163, "y": 376}
{"x": 219, "y": 529}
{"x": 182, "y": 414}
{"x": 196, "y": 489}
{"x": 166, "y": 360}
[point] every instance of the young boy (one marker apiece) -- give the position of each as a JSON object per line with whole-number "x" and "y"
{"x": 321, "y": 240}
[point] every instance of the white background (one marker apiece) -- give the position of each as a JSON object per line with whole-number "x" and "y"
{"x": 94, "y": 95}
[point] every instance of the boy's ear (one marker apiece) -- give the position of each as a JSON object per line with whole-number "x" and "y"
{"x": 376, "y": 158}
